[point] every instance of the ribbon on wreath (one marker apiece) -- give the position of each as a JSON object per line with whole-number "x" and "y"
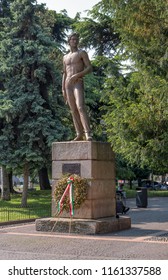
{"x": 68, "y": 190}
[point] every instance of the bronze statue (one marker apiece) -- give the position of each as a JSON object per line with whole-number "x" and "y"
{"x": 76, "y": 65}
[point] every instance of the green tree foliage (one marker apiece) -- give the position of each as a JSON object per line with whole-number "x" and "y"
{"x": 137, "y": 115}
{"x": 5, "y": 8}
{"x": 97, "y": 32}
{"x": 93, "y": 103}
{"x": 137, "y": 119}
{"x": 59, "y": 24}
{"x": 143, "y": 27}
{"x": 29, "y": 122}
{"x": 4, "y": 12}
{"x": 125, "y": 171}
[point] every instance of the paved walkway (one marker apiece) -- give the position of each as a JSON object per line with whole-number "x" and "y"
{"x": 147, "y": 239}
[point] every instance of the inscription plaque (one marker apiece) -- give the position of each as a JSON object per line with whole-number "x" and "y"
{"x": 72, "y": 168}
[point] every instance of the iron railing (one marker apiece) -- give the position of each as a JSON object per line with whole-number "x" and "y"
{"x": 19, "y": 213}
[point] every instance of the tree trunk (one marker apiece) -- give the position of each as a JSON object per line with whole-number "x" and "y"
{"x": 139, "y": 182}
{"x": 5, "y": 191}
{"x": 25, "y": 185}
{"x": 163, "y": 178}
{"x": 11, "y": 182}
{"x": 130, "y": 183}
{"x": 43, "y": 179}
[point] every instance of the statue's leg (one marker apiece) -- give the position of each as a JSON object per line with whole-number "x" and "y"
{"x": 80, "y": 103}
{"x": 75, "y": 115}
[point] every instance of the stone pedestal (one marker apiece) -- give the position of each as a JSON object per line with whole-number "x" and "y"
{"x": 83, "y": 226}
{"x": 94, "y": 161}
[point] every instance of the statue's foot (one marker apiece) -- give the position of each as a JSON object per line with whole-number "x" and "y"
{"x": 78, "y": 138}
{"x": 88, "y": 137}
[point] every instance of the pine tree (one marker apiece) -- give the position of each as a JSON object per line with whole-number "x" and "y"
{"x": 29, "y": 121}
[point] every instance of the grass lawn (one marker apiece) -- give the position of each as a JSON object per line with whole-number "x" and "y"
{"x": 39, "y": 205}
{"x": 151, "y": 193}
{"x": 35, "y": 198}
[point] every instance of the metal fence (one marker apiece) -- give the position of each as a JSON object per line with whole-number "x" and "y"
{"x": 19, "y": 213}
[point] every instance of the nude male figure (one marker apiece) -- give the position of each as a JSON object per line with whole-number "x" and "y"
{"x": 76, "y": 65}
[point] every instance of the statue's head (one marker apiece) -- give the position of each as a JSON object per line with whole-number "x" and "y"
{"x": 74, "y": 34}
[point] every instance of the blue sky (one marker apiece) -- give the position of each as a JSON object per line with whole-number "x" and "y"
{"x": 72, "y": 6}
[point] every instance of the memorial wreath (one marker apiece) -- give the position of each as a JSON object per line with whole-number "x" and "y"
{"x": 70, "y": 192}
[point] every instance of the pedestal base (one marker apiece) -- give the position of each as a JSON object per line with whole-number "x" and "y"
{"x": 83, "y": 226}
{"x": 94, "y": 161}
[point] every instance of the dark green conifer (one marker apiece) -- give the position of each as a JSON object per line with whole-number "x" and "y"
{"x": 29, "y": 122}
